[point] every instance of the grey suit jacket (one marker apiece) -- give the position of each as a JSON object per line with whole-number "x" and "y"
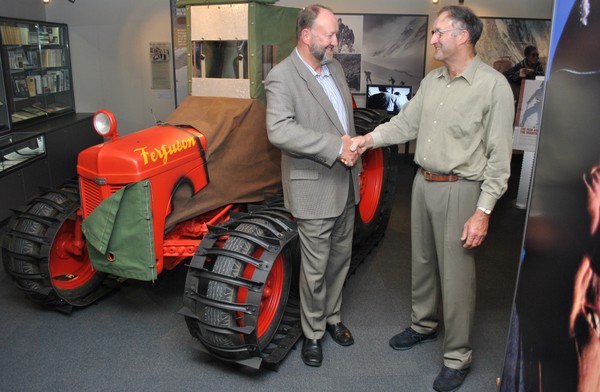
{"x": 302, "y": 122}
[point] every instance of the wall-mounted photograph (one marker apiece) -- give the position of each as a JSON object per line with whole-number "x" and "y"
{"x": 387, "y": 50}
{"x": 503, "y": 41}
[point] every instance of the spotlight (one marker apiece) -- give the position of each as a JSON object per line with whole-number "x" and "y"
{"x": 46, "y": 1}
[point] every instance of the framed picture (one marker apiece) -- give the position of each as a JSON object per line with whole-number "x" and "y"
{"x": 504, "y": 39}
{"x": 382, "y": 49}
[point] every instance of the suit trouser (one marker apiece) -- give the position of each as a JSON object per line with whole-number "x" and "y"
{"x": 441, "y": 267}
{"x": 326, "y": 249}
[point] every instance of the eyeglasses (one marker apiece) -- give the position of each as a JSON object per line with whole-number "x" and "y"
{"x": 439, "y": 32}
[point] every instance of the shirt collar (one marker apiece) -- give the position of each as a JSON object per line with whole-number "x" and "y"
{"x": 468, "y": 74}
{"x": 324, "y": 69}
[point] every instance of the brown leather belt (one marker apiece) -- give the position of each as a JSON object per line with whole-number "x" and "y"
{"x": 430, "y": 176}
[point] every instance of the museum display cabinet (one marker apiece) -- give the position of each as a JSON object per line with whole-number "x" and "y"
{"x": 41, "y": 134}
{"x": 37, "y": 70}
{"x": 42, "y": 155}
{"x": 4, "y": 123}
{"x": 19, "y": 148}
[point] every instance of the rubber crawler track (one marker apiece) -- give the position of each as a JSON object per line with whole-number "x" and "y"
{"x": 367, "y": 235}
{"x": 31, "y": 248}
{"x": 228, "y": 329}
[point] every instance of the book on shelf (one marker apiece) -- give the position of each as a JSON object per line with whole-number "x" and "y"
{"x": 32, "y": 86}
{"x": 17, "y": 59}
{"x": 43, "y": 37}
{"x": 56, "y": 81}
{"x": 51, "y": 34}
{"x": 59, "y": 107}
{"x": 42, "y": 107}
{"x": 33, "y": 58}
{"x": 25, "y": 115}
{"x": 20, "y": 88}
{"x": 34, "y": 111}
{"x": 38, "y": 82}
{"x": 17, "y": 116}
{"x": 50, "y": 108}
{"x": 52, "y": 58}
{"x": 14, "y": 35}
{"x": 33, "y": 38}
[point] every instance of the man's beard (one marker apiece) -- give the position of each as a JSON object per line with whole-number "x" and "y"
{"x": 320, "y": 53}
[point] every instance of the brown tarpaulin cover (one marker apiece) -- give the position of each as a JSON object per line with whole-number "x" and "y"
{"x": 242, "y": 165}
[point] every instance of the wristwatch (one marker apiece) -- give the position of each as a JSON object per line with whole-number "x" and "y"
{"x": 484, "y": 210}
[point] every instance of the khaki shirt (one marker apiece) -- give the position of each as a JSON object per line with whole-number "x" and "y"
{"x": 464, "y": 127}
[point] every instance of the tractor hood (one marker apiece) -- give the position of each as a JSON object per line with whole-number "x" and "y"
{"x": 226, "y": 136}
{"x": 141, "y": 155}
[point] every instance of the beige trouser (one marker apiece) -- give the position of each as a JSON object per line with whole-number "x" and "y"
{"x": 326, "y": 249}
{"x": 441, "y": 268}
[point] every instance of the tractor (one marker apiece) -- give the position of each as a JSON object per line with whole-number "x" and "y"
{"x": 202, "y": 188}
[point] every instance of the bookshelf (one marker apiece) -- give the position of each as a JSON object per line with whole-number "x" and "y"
{"x": 4, "y": 116}
{"x": 37, "y": 71}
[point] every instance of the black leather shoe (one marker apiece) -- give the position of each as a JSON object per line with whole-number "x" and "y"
{"x": 449, "y": 379}
{"x": 312, "y": 353}
{"x": 340, "y": 333}
{"x": 409, "y": 338}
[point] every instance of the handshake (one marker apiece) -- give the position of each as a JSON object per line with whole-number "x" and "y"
{"x": 353, "y": 147}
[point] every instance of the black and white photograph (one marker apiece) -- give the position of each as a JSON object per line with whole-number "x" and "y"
{"x": 348, "y": 51}
{"x": 350, "y": 28}
{"x": 393, "y": 50}
{"x": 503, "y": 40}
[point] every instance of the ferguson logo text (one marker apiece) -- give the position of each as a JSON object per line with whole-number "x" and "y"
{"x": 164, "y": 152}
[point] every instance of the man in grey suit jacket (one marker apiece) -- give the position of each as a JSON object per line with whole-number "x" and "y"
{"x": 310, "y": 118}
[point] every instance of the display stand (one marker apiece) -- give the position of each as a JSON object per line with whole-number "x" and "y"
{"x": 525, "y": 179}
{"x": 526, "y": 133}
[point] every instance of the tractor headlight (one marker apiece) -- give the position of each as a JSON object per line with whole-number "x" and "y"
{"x": 105, "y": 123}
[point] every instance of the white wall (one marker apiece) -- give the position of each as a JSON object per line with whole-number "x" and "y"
{"x": 110, "y": 56}
{"x": 23, "y": 9}
{"x": 109, "y": 44}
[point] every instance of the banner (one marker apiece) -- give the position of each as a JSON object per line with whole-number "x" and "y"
{"x": 529, "y": 115}
{"x": 554, "y": 339}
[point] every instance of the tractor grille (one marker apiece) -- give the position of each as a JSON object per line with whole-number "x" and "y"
{"x": 93, "y": 194}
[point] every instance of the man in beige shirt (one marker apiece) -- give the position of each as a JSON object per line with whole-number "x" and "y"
{"x": 462, "y": 119}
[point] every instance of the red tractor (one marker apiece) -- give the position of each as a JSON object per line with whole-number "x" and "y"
{"x": 201, "y": 188}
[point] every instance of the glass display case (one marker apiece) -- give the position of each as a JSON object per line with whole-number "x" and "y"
{"x": 37, "y": 70}
{"x": 4, "y": 123}
{"x": 18, "y": 148}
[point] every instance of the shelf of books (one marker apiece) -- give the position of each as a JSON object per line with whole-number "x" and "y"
{"x": 4, "y": 122}
{"x": 37, "y": 74}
